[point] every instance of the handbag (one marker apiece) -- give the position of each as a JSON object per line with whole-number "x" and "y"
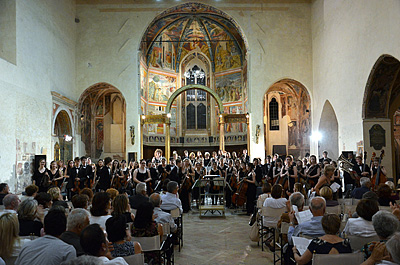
{"x": 254, "y": 234}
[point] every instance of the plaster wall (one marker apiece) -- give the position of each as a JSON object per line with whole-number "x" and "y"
{"x": 45, "y": 34}
{"x": 279, "y": 37}
{"x": 347, "y": 39}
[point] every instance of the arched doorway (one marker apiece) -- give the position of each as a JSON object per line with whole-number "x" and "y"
{"x": 63, "y": 147}
{"x": 193, "y": 44}
{"x": 287, "y": 119}
{"x": 329, "y": 130}
{"x": 102, "y": 111}
{"x": 380, "y": 113}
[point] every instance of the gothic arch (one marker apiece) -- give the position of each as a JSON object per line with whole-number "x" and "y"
{"x": 329, "y": 129}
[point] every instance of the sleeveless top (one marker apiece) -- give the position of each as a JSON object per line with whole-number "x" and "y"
{"x": 141, "y": 176}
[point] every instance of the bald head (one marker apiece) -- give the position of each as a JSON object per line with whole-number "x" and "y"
{"x": 11, "y": 202}
{"x": 317, "y": 206}
{"x": 155, "y": 199}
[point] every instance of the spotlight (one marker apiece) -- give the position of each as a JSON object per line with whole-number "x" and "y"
{"x": 316, "y": 136}
{"x": 168, "y": 115}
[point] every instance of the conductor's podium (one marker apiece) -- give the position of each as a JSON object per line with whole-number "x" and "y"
{"x": 212, "y": 195}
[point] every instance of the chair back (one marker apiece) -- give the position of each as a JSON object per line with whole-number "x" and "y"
{"x": 148, "y": 243}
{"x": 385, "y": 208}
{"x": 357, "y": 242}
{"x": 137, "y": 259}
{"x": 285, "y": 228}
{"x": 272, "y": 214}
{"x": 334, "y": 209}
{"x": 166, "y": 228}
{"x": 175, "y": 213}
{"x": 335, "y": 259}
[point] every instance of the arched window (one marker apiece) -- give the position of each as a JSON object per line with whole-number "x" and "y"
{"x": 273, "y": 115}
{"x": 196, "y": 100}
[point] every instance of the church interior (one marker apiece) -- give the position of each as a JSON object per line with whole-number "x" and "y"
{"x": 240, "y": 80}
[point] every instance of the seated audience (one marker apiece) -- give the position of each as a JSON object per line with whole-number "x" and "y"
{"x": 313, "y": 227}
{"x": 145, "y": 226}
{"x": 276, "y": 201}
{"x": 101, "y": 206}
{"x": 384, "y": 195}
{"x": 385, "y": 225}
{"x": 57, "y": 198}
{"x": 80, "y": 201}
{"x": 386, "y": 253}
{"x": 89, "y": 193}
{"x": 298, "y": 187}
{"x": 48, "y": 249}
{"x": 82, "y": 260}
{"x": 4, "y": 190}
{"x": 162, "y": 217}
{"x": 329, "y": 243}
{"x": 362, "y": 225}
{"x": 113, "y": 193}
{"x": 120, "y": 237}
{"x": 121, "y": 207}
{"x": 357, "y": 193}
{"x": 94, "y": 243}
{"x": 326, "y": 193}
{"x": 44, "y": 199}
{"x": 78, "y": 219}
{"x": 296, "y": 199}
{"x": 30, "y": 217}
{"x": 164, "y": 186}
{"x": 31, "y": 191}
{"x": 140, "y": 196}
{"x": 395, "y": 196}
{"x": 11, "y": 203}
{"x": 170, "y": 200}
{"x": 10, "y": 242}
{"x": 266, "y": 193}
{"x": 370, "y": 195}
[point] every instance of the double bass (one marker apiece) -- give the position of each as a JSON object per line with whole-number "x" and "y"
{"x": 379, "y": 177}
{"x": 239, "y": 198}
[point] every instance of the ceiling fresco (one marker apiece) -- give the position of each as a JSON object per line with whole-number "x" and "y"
{"x": 182, "y": 29}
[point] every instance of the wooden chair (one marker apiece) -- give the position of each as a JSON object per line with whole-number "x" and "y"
{"x": 358, "y": 242}
{"x": 335, "y": 259}
{"x": 137, "y": 259}
{"x": 179, "y": 222}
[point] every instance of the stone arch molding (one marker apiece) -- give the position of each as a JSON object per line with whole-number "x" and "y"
{"x": 71, "y": 120}
{"x": 189, "y": 87}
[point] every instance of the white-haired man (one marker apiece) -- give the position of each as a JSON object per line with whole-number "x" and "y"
{"x": 77, "y": 220}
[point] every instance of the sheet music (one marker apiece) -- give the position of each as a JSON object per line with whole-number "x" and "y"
{"x": 303, "y": 216}
{"x": 301, "y": 244}
{"x": 335, "y": 186}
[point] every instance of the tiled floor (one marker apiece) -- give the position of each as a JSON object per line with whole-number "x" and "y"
{"x": 218, "y": 240}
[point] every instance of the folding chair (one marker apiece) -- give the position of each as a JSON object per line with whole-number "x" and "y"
{"x": 357, "y": 242}
{"x": 137, "y": 259}
{"x": 167, "y": 248}
{"x": 335, "y": 259}
{"x": 385, "y": 208}
{"x": 179, "y": 222}
{"x": 283, "y": 231}
{"x": 149, "y": 244}
{"x": 334, "y": 209}
{"x": 270, "y": 226}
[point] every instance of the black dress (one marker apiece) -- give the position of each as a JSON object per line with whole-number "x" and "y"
{"x": 290, "y": 179}
{"x": 184, "y": 194}
{"x": 54, "y": 176}
{"x": 39, "y": 179}
{"x": 196, "y": 190}
{"x": 319, "y": 246}
{"x": 251, "y": 194}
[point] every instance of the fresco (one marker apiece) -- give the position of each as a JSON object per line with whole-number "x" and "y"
{"x": 159, "y": 128}
{"x": 227, "y": 56}
{"x": 194, "y": 37}
{"x": 143, "y": 82}
{"x": 229, "y": 87}
{"x": 161, "y": 86}
{"x": 163, "y": 53}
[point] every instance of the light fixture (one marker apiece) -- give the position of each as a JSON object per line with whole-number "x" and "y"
{"x": 220, "y": 115}
{"x": 168, "y": 115}
{"x": 143, "y": 117}
{"x": 67, "y": 138}
{"x": 316, "y": 136}
{"x": 195, "y": 72}
{"x": 247, "y": 116}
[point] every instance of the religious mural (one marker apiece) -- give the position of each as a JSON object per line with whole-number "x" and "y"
{"x": 143, "y": 81}
{"x": 161, "y": 86}
{"x": 229, "y": 87}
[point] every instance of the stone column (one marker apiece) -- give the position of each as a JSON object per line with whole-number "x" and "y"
{"x": 221, "y": 133}
{"x": 167, "y": 139}
{"x": 141, "y": 136}
{"x": 248, "y": 133}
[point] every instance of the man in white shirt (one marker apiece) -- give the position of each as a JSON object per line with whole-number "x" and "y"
{"x": 170, "y": 200}
{"x": 11, "y": 203}
{"x": 162, "y": 217}
{"x": 49, "y": 249}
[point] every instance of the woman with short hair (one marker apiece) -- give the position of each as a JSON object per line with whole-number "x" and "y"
{"x": 29, "y": 218}
{"x": 362, "y": 226}
{"x": 330, "y": 243}
{"x": 101, "y": 205}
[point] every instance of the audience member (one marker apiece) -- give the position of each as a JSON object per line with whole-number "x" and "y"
{"x": 276, "y": 201}
{"x": 313, "y": 227}
{"x": 11, "y": 203}
{"x": 80, "y": 201}
{"x": 89, "y": 193}
{"x": 4, "y": 190}
{"x": 121, "y": 207}
{"x": 329, "y": 243}
{"x": 162, "y": 217}
{"x": 120, "y": 237}
{"x": 113, "y": 193}
{"x": 10, "y": 242}
{"x": 170, "y": 200}
{"x": 362, "y": 225}
{"x": 298, "y": 187}
{"x": 327, "y": 194}
{"x": 385, "y": 225}
{"x": 30, "y": 217}
{"x": 57, "y": 198}
{"x": 266, "y": 193}
{"x": 386, "y": 253}
{"x": 295, "y": 199}
{"x": 357, "y": 193}
{"x": 370, "y": 195}
{"x": 395, "y": 196}
{"x": 30, "y": 192}
{"x": 94, "y": 243}
{"x": 140, "y": 196}
{"x": 384, "y": 195}
{"x": 77, "y": 220}
{"x": 48, "y": 249}
{"x": 101, "y": 206}
{"x": 44, "y": 199}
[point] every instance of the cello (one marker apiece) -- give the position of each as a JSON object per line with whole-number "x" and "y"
{"x": 239, "y": 198}
{"x": 379, "y": 177}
